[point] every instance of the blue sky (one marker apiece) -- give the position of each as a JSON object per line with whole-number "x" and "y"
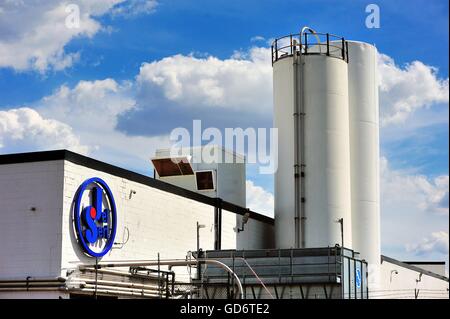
{"x": 106, "y": 69}
{"x": 410, "y": 30}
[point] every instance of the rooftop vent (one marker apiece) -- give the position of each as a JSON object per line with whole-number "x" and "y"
{"x": 173, "y": 166}
{"x": 205, "y": 180}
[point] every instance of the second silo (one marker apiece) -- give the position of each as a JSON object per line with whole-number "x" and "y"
{"x": 364, "y": 153}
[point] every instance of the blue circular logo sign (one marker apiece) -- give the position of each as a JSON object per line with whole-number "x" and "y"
{"x": 358, "y": 278}
{"x": 95, "y": 217}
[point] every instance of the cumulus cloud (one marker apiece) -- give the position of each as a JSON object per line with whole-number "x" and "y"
{"x": 403, "y": 190}
{"x": 257, "y": 38}
{"x": 211, "y": 82}
{"x": 92, "y": 109}
{"x": 90, "y": 105}
{"x": 234, "y": 92}
{"x": 436, "y": 243}
{"x": 413, "y": 206}
{"x": 33, "y": 34}
{"x": 132, "y": 8}
{"x": 258, "y": 199}
{"x": 24, "y": 130}
{"x": 81, "y": 118}
{"x": 408, "y": 89}
{"x": 237, "y": 92}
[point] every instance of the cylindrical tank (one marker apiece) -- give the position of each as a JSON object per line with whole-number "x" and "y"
{"x": 284, "y": 194}
{"x": 364, "y": 153}
{"x": 324, "y": 138}
{"x": 327, "y": 151}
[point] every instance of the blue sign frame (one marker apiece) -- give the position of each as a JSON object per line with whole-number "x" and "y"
{"x": 91, "y": 235}
{"x": 358, "y": 278}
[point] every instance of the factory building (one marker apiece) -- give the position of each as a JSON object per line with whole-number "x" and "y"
{"x": 41, "y": 252}
{"x": 74, "y": 227}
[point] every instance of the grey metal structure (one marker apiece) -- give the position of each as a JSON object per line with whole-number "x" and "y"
{"x": 306, "y": 273}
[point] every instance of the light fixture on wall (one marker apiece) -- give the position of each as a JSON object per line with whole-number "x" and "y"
{"x": 244, "y": 221}
{"x": 125, "y": 234}
{"x": 198, "y": 235}
{"x": 420, "y": 278}
{"x": 341, "y": 222}
{"x": 132, "y": 192}
{"x": 393, "y": 272}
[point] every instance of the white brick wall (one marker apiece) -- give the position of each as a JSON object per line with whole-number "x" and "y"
{"x": 42, "y": 243}
{"x": 157, "y": 221}
{"x": 398, "y": 282}
{"x": 256, "y": 235}
{"x": 30, "y": 240}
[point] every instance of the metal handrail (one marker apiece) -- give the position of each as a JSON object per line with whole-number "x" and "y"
{"x": 301, "y": 44}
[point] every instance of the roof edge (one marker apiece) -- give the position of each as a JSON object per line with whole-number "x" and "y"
{"x": 75, "y": 158}
{"x": 411, "y": 267}
{"x": 424, "y": 262}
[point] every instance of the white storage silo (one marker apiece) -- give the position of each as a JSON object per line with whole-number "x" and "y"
{"x": 364, "y": 153}
{"x": 311, "y": 112}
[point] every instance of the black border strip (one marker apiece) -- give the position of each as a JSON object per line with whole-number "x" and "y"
{"x": 411, "y": 267}
{"x": 89, "y": 162}
{"x": 424, "y": 262}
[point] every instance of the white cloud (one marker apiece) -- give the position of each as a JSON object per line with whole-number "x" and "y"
{"x": 24, "y": 130}
{"x": 243, "y": 83}
{"x": 402, "y": 190}
{"x": 408, "y": 89}
{"x": 413, "y": 206}
{"x": 233, "y": 92}
{"x": 82, "y": 119}
{"x": 257, "y": 38}
{"x": 33, "y": 34}
{"x": 436, "y": 243}
{"x": 92, "y": 109}
{"x": 90, "y": 105}
{"x": 131, "y": 8}
{"x": 258, "y": 199}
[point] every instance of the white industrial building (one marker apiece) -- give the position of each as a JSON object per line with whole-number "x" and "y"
{"x": 72, "y": 226}
{"x": 37, "y": 233}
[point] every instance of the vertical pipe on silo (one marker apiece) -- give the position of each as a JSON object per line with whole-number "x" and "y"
{"x": 296, "y": 149}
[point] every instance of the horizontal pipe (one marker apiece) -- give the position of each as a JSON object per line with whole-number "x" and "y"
{"x": 173, "y": 262}
{"x": 32, "y": 279}
{"x": 121, "y": 273}
{"x": 130, "y": 263}
{"x": 60, "y": 288}
{"x": 112, "y": 292}
{"x": 120, "y": 289}
{"x": 31, "y": 284}
{"x": 109, "y": 272}
{"x": 116, "y": 283}
{"x": 147, "y": 292}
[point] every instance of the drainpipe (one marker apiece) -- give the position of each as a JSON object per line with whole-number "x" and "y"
{"x": 296, "y": 147}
